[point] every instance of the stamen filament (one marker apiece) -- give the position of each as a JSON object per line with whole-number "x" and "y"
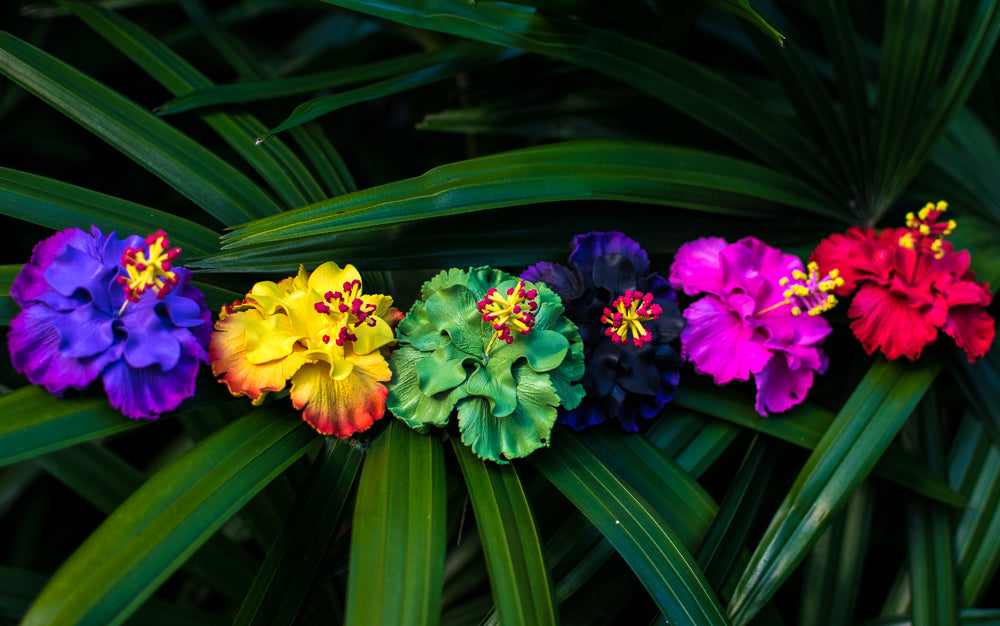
{"x": 808, "y": 293}
{"x": 149, "y": 268}
{"x": 926, "y": 234}
{"x": 515, "y": 310}
{"x": 630, "y": 311}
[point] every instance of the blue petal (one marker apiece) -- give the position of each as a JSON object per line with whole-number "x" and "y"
{"x": 145, "y": 392}
{"x": 590, "y": 247}
{"x": 149, "y": 341}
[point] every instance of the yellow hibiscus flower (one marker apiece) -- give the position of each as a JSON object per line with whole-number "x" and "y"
{"x": 319, "y": 331}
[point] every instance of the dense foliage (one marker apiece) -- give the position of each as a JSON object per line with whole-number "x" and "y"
{"x": 406, "y": 137}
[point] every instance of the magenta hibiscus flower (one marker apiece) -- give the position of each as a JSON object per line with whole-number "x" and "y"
{"x": 93, "y": 306}
{"x": 759, "y": 315}
{"x": 911, "y": 283}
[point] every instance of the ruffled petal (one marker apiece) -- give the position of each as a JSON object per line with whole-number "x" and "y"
{"x": 149, "y": 341}
{"x": 697, "y": 267}
{"x": 615, "y": 274}
{"x": 145, "y": 392}
{"x": 527, "y": 428}
{"x": 884, "y": 320}
{"x": 228, "y": 356}
{"x": 563, "y": 280}
{"x": 859, "y": 255}
{"x": 408, "y": 402}
{"x": 779, "y": 386}
{"x": 586, "y": 250}
{"x": 972, "y": 328}
{"x": 34, "y": 342}
{"x": 720, "y": 342}
{"x": 85, "y": 332}
{"x": 337, "y": 407}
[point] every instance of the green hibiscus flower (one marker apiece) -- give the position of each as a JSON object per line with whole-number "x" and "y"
{"x": 493, "y": 347}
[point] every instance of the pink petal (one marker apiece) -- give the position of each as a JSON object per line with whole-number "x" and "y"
{"x": 721, "y": 342}
{"x": 779, "y": 387}
{"x": 697, "y": 267}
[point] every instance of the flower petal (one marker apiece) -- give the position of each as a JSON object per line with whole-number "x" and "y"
{"x": 779, "y": 387}
{"x": 452, "y": 310}
{"x": 337, "y": 407}
{"x": 408, "y": 402}
{"x": 145, "y": 392}
{"x": 33, "y": 342}
{"x": 721, "y": 342}
{"x": 972, "y": 328}
{"x": 885, "y": 320}
{"x": 518, "y": 434}
{"x": 442, "y": 370}
{"x": 563, "y": 280}
{"x": 495, "y": 382}
{"x": 148, "y": 341}
{"x": 228, "y": 356}
{"x": 587, "y": 250}
{"x": 697, "y": 267}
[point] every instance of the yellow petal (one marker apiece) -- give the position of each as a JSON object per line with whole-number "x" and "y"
{"x": 337, "y": 407}
{"x": 269, "y": 338}
{"x": 371, "y": 338}
{"x": 227, "y": 353}
{"x": 330, "y": 277}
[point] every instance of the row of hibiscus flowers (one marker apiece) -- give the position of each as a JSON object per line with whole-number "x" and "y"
{"x": 508, "y": 356}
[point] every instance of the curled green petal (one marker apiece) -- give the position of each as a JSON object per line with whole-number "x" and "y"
{"x": 506, "y": 376}
{"x": 407, "y": 402}
{"x": 522, "y": 432}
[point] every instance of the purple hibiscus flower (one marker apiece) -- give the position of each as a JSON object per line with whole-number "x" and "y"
{"x": 751, "y": 319}
{"x": 627, "y": 317}
{"x": 93, "y": 305}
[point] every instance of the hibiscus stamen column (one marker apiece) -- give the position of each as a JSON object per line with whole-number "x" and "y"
{"x": 926, "y": 234}
{"x": 516, "y": 310}
{"x": 630, "y": 311}
{"x": 149, "y": 268}
{"x": 809, "y": 292}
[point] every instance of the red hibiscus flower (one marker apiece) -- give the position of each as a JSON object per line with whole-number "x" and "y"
{"x": 910, "y": 284}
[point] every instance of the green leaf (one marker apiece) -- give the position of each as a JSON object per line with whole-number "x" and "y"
{"x": 287, "y": 574}
{"x": 833, "y": 572}
{"x": 917, "y": 94}
{"x": 743, "y": 9}
{"x": 843, "y": 46}
{"x": 842, "y": 459}
{"x": 8, "y": 308}
{"x": 974, "y": 470}
{"x": 979, "y": 382}
{"x": 693, "y": 440}
{"x": 521, "y": 584}
{"x": 684, "y": 504}
{"x": 163, "y": 522}
{"x": 199, "y": 175}
{"x": 967, "y": 617}
{"x": 929, "y": 532}
{"x": 693, "y": 89}
{"x": 398, "y": 537}
{"x": 58, "y": 205}
{"x": 35, "y": 422}
{"x": 19, "y": 586}
{"x": 105, "y": 480}
{"x": 724, "y": 539}
{"x": 276, "y": 163}
{"x": 253, "y": 91}
{"x": 606, "y": 170}
{"x": 463, "y": 58}
{"x": 804, "y": 425}
{"x": 637, "y": 531}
